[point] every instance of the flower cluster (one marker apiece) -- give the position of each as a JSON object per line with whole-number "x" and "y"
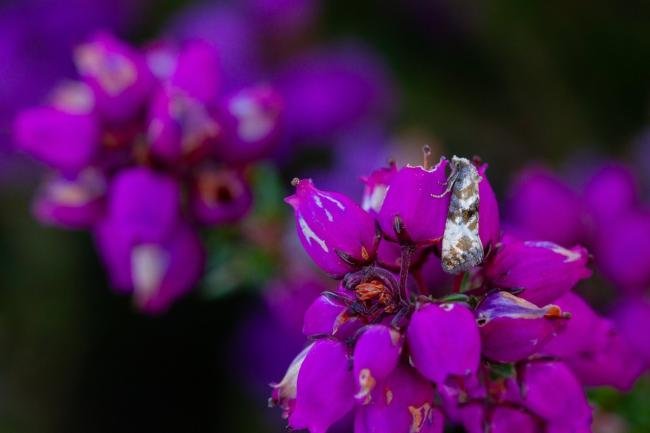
{"x": 606, "y": 214}
{"x": 504, "y": 348}
{"x": 147, "y": 147}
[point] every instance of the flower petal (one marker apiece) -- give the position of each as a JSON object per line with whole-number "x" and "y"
{"x": 444, "y": 340}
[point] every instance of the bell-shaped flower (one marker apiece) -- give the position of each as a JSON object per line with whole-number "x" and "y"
{"x": 117, "y": 74}
{"x": 251, "y": 121}
{"x": 145, "y": 204}
{"x": 329, "y": 91}
{"x": 197, "y": 71}
{"x": 337, "y": 234}
{"x": 631, "y": 315}
{"x": 180, "y": 127}
{"x": 544, "y": 270}
{"x": 63, "y": 139}
{"x": 415, "y": 207}
{"x": 220, "y": 196}
{"x": 375, "y": 188}
{"x": 376, "y": 353}
{"x": 620, "y": 255}
{"x": 541, "y": 206}
{"x": 75, "y": 202}
{"x": 324, "y": 316}
{"x": 550, "y": 390}
{"x": 318, "y": 388}
{"x": 156, "y": 273}
{"x": 402, "y": 403}
{"x": 512, "y": 328}
{"x": 444, "y": 340}
{"x": 593, "y": 347}
{"x": 610, "y": 192}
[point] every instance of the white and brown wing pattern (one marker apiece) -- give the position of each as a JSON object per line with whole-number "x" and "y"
{"x": 461, "y": 245}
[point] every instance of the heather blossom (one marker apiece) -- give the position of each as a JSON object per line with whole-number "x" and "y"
{"x": 147, "y": 147}
{"x": 499, "y": 350}
{"x": 606, "y": 213}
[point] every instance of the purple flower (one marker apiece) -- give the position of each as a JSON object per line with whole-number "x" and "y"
{"x": 75, "y": 202}
{"x": 334, "y": 230}
{"x": 610, "y": 192}
{"x": 513, "y": 329}
{"x": 631, "y": 315}
{"x": 376, "y": 187}
{"x": 544, "y": 270}
{"x": 550, "y": 390}
{"x": 444, "y": 340}
{"x": 220, "y": 196}
{"x": 145, "y": 204}
{"x": 231, "y": 33}
{"x": 324, "y": 316}
{"x": 621, "y": 255}
{"x": 376, "y": 354}
{"x": 61, "y": 139}
{"x": 180, "y": 127}
{"x": 197, "y": 71}
{"x": 593, "y": 348}
{"x": 403, "y": 403}
{"x": 317, "y": 389}
{"x": 415, "y": 209}
{"x": 330, "y": 91}
{"x": 117, "y": 74}
{"x": 157, "y": 273}
{"x": 543, "y": 207}
{"x": 251, "y": 122}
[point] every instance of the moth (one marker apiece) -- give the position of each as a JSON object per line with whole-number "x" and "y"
{"x": 461, "y": 246}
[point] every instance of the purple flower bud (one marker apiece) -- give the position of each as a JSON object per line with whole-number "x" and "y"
{"x": 403, "y": 403}
{"x": 593, "y": 349}
{"x": 610, "y": 192}
{"x": 229, "y": 30}
{"x": 509, "y": 420}
{"x": 327, "y": 92}
{"x": 284, "y": 392}
{"x": 251, "y": 122}
{"x": 376, "y": 186}
{"x": 489, "y": 228}
{"x": 444, "y": 340}
{"x": 512, "y": 328}
{"x": 220, "y": 196}
{"x": 73, "y": 202}
{"x": 197, "y": 71}
{"x": 631, "y": 315}
{"x": 543, "y": 269}
{"x": 157, "y": 273}
{"x": 541, "y": 206}
{"x": 61, "y": 139}
{"x": 376, "y": 353}
{"x": 145, "y": 204}
{"x": 180, "y": 127}
{"x": 320, "y": 384}
{"x": 551, "y": 391}
{"x": 324, "y": 316}
{"x": 622, "y": 257}
{"x": 411, "y": 201}
{"x": 117, "y": 74}
{"x": 331, "y": 227}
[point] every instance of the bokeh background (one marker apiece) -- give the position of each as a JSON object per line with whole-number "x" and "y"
{"x": 557, "y": 82}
